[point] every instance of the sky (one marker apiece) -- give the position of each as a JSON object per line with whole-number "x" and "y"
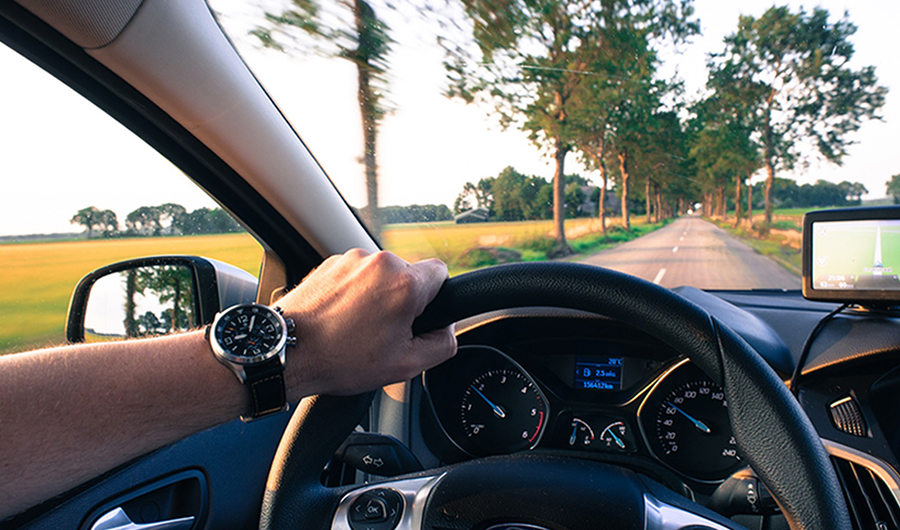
{"x": 429, "y": 146}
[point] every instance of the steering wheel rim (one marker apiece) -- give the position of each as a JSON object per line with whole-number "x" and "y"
{"x": 772, "y": 431}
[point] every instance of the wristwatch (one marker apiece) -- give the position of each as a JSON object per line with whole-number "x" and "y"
{"x": 250, "y": 339}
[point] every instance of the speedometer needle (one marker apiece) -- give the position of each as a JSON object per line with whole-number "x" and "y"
{"x": 497, "y": 410}
{"x": 697, "y": 423}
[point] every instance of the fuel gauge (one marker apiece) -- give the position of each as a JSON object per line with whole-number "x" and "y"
{"x": 582, "y": 435}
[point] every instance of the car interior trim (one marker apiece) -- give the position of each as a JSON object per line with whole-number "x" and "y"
{"x": 879, "y": 467}
{"x": 91, "y": 23}
{"x": 661, "y": 516}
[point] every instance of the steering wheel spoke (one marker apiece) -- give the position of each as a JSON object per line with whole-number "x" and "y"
{"x": 370, "y": 507}
{"x": 407, "y": 504}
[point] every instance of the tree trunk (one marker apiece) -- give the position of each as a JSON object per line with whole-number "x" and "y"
{"x": 770, "y": 183}
{"x": 737, "y": 200}
{"x": 648, "y": 200}
{"x": 130, "y": 287}
{"x": 559, "y": 199}
{"x": 176, "y": 306}
{"x": 368, "y": 109}
{"x": 659, "y": 205}
{"x": 601, "y": 165}
{"x": 769, "y": 163}
{"x": 749, "y": 202}
{"x": 623, "y": 170}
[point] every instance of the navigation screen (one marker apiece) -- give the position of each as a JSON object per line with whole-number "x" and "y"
{"x": 856, "y": 255}
{"x": 598, "y": 373}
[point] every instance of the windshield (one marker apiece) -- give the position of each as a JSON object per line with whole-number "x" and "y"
{"x": 678, "y": 141}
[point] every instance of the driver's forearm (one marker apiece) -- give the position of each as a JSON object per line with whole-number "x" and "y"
{"x": 70, "y": 413}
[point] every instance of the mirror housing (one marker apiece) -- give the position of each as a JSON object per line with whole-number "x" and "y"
{"x": 155, "y": 296}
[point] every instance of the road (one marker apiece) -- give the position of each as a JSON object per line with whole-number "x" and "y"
{"x": 691, "y": 251}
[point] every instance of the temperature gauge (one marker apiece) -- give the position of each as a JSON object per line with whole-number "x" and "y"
{"x": 616, "y": 437}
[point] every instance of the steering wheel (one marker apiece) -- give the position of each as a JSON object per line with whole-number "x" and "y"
{"x": 537, "y": 493}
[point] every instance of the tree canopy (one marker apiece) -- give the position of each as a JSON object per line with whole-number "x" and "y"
{"x": 792, "y": 71}
{"x": 531, "y": 59}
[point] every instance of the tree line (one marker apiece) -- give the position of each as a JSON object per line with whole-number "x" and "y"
{"x": 513, "y": 196}
{"x": 581, "y": 78}
{"x": 154, "y": 221}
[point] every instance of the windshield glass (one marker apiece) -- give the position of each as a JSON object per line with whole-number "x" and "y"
{"x": 678, "y": 141}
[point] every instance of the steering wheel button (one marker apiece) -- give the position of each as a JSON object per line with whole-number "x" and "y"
{"x": 376, "y": 510}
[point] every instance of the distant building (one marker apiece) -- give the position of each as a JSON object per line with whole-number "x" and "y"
{"x": 477, "y": 215}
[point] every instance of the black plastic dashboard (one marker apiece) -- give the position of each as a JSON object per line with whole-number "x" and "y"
{"x": 621, "y": 415}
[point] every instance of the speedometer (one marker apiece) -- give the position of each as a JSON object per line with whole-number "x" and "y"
{"x": 685, "y": 421}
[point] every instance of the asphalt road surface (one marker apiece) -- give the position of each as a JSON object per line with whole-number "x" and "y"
{"x": 691, "y": 251}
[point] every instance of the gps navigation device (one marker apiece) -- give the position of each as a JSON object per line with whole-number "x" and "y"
{"x": 852, "y": 255}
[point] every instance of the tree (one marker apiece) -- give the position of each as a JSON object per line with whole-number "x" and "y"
{"x": 475, "y": 196}
{"x": 723, "y": 150}
{"x": 144, "y": 221}
{"x": 93, "y": 217}
{"x": 620, "y": 74}
{"x": 170, "y": 216}
{"x": 532, "y": 57}
{"x": 88, "y": 218}
{"x": 359, "y": 36}
{"x": 108, "y": 223}
{"x": 791, "y": 70}
{"x": 893, "y": 188}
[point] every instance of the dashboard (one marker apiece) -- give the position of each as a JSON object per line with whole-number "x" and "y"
{"x": 579, "y": 385}
{"x": 588, "y": 387}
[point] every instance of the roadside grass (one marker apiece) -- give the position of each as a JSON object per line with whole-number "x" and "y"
{"x": 782, "y": 244}
{"x": 465, "y": 247}
{"x": 37, "y": 278}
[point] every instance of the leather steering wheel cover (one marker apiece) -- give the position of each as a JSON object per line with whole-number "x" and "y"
{"x": 771, "y": 429}
{"x": 295, "y": 497}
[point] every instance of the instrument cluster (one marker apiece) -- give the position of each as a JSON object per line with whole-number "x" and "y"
{"x": 604, "y": 397}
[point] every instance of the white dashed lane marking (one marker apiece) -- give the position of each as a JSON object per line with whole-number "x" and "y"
{"x": 659, "y": 276}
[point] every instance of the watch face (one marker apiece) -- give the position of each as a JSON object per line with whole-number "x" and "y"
{"x": 249, "y": 333}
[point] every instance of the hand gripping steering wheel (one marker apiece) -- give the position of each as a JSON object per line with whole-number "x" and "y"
{"x": 531, "y": 492}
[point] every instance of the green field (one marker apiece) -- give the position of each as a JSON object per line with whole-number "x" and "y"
{"x": 37, "y": 279}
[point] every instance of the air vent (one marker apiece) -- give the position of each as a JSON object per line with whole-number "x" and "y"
{"x": 847, "y": 417}
{"x": 871, "y": 503}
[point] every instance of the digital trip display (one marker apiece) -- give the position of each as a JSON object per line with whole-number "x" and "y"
{"x": 598, "y": 373}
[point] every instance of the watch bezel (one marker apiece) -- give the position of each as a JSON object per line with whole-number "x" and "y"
{"x": 221, "y": 353}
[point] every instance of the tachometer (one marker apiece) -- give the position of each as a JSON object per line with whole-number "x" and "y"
{"x": 685, "y": 421}
{"x": 486, "y": 403}
{"x": 502, "y": 411}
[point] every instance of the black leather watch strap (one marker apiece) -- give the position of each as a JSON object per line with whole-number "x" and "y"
{"x": 266, "y": 384}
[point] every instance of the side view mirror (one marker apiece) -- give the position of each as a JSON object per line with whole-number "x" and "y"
{"x": 154, "y": 296}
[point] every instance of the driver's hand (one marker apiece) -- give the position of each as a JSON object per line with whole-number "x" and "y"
{"x": 354, "y": 317}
